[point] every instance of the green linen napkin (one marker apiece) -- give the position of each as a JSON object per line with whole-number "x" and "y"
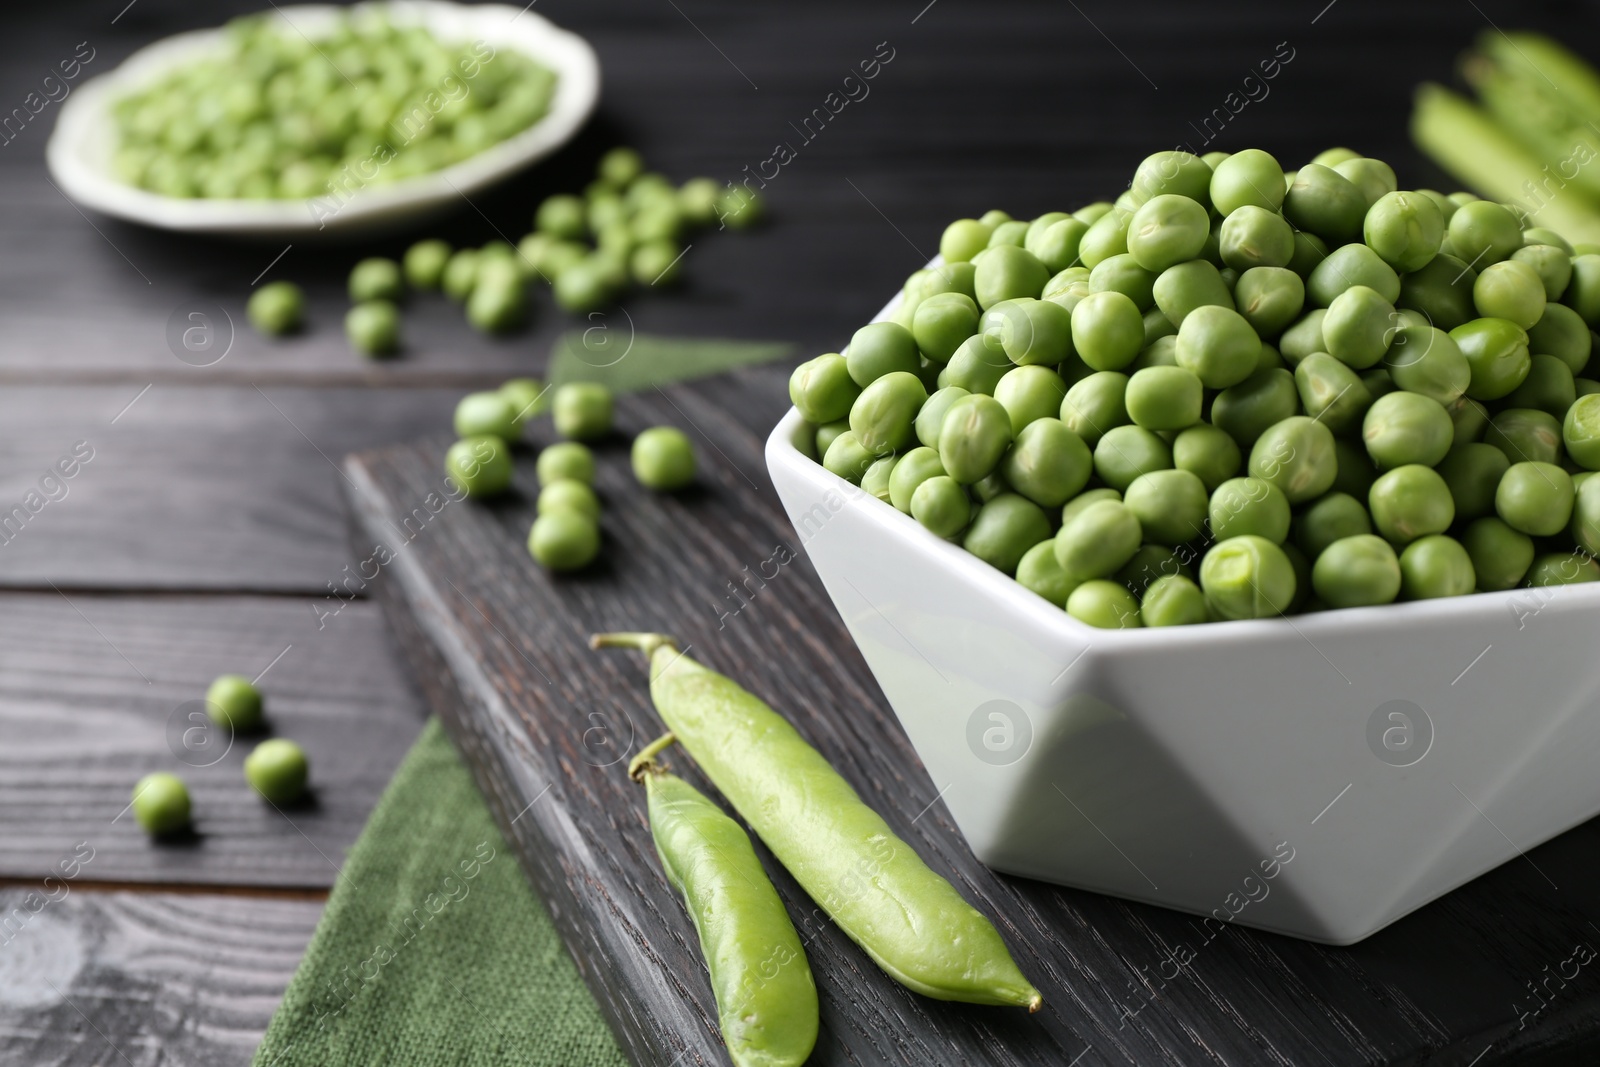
{"x": 433, "y": 948}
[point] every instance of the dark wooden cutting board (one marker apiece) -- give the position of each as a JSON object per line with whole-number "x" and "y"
{"x": 500, "y": 649}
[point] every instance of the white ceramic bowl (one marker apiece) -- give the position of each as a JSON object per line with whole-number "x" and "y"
{"x": 81, "y": 147}
{"x": 1318, "y": 775}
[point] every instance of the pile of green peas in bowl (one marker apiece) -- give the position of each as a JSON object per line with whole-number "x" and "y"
{"x": 1236, "y": 392}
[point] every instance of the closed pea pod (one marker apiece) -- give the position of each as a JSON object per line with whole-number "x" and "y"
{"x": 766, "y": 997}
{"x": 910, "y": 921}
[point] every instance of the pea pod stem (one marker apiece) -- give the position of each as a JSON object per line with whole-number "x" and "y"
{"x": 645, "y": 761}
{"x": 913, "y": 923}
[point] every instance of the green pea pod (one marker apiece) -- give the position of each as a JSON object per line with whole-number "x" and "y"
{"x": 911, "y": 922}
{"x": 766, "y": 999}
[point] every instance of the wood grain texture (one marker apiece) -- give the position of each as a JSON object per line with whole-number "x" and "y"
{"x": 500, "y": 650}
{"x": 97, "y": 691}
{"x": 144, "y": 979}
{"x": 224, "y": 488}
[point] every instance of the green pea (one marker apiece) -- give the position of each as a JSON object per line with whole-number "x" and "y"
{"x": 373, "y": 328}
{"x": 1560, "y": 332}
{"x": 1309, "y": 250}
{"x": 1068, "y": 286}
{"x": 1404, "y": 229}
{"x": 1125, "y": 452}
{"x": 1176, "y": 172}
{"x": 1247, "y": 577}
{"x": 582, "y": 411}
{"x": 1509, "y": 290}
{"x": 663, "y": 458}
{"x": 277, "y": 769}
{"x": 846, "y": 457}
{"x": 566, "y": 461}
{"x": 1247, "y": 409}
{"x": 883, "y": 417}
{"x": 276, "y": 308}
{"x": 1373, "y": 177}
{"x": 1011, "y": 232}
{"x": 1580, "y": 431}
{"x": 571, "y": 495}
{"x": 1208, "y": 452}
{"x": 1583, "y": 292}
{"x": 1084, "y": 499}
{"x": 161, "y": 804}
{"x": 1484, "y": 232}
{"x": 1330, "y": 518}
{"x": 1039, "y": 572}
{"x": 875, "y": 480}
{"x": 880, "y": 348}
{"x": 1162, "y": 352}
{"x": 1426, "y": 360}
{"x": 941, "y": 322}
{"x": 1470, "y": 419}
{"x": 1104, "y": 604}
{"x": 1173, "y": 600}
{"x": 1357, "y": 327}
{"x": 1473, "y": 471}
{"x": 1585, "y": 528}
{"x": 1030, "y": 392}
{"x": 460, "y": 274}
{"x": 941, "y": 505}
{"x": 376, "y": 279}
{"x": 1098, "y": 540}
{"x": 1563, "y": 568}
{"x": 1325, "y": 203}
{"x": 1123, "y": 274}
{"x": 1348, "y": 266}
{"x": 1354, "y": 473}
{"x": 1218, "y": 346}
{"x": 1156, "y": 327}
{"x": 1095, "y": 405}
{"x": 1169, "y": 504}
{"x": 822, "y": 388}
{"x": 1296, "y": 455}
{"x": 1269, "y": 298}
{"x": 963, "y": 239}
{"x": 974, "y": 435}
{"x": 424, "y": 263}
{"x": 1181, "y": 289}
{"x": 1255, "y": 237}
{"x": 914, "y": 468}
{"x": 1441, "y": 291}
{"x": 1549, "y": 387}
{"x": 1410, "y": 502}
{"x": 562, "y": 216}
{"x": 563, "y": 539}
{"x": 1552, "y": 265}
{"x": 1005, "y": 528}
{"x": 948, "y": 278}
{"x": 1107, "y": 236}
{"x": 233, "y": 702}
{"x": 1243, "y": 506}
{"x": 1357, "y": 571}
{"x": 1251, "y": 178}
{"x": 931, "y": 416}
{"x": 1029, "y": 331}
{"x": 1006, "y": 272}
{"x": 481, "y": 466}
{"x": 1107, "y": 330}
{"x": 1331, "y": 392}
{"x": 1436, "y": 566}
{"x": 1304, "y": 337}
{"x": 1091, "y": 212}
{"x": 498, "y": 308}
{"x": 1403, "y": 428}
{"x": 1524, "y": 434}
{"x": 1497, "y": 352}
{"x": 488, "y": 414}
{"x": 1056, "y": 245}
{"x": 585, "y": 286}
{"x": 1164, "y": 398}
{"x": 978, "y": 365}
{"x": 1536, "y": 498}
{"x": 1148, "y": 564}
{"x": 1166, "y": 230}
{"x": 1500, "y": 555}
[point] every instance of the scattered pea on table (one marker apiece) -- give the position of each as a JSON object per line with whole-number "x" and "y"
{"x": 276, "y": 308}
{"x": 161, "y": 804}
{"x": 277, "y": 769}
{"x": 233, "y": 702}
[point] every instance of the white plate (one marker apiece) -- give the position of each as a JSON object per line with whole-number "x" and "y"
{"x": 80, "y": 150}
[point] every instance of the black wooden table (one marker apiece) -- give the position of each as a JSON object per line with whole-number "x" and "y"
{"x": 205, "y": 531}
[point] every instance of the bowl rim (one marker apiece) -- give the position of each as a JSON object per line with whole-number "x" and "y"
{"x": 78, "y": 137}
{"x": 1380, "y": 620}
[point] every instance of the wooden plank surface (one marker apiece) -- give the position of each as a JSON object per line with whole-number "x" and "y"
{"x": 229, "y": 488}
{"x": 97, "y": 691}
{"x": 545, "y": 722}
{"x": 90, "y": 979}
